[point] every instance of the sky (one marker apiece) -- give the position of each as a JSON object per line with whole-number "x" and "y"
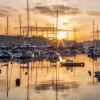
{"x": 78, "y": 14}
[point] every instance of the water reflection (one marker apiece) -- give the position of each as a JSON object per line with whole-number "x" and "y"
{"x": 42, "y": 79}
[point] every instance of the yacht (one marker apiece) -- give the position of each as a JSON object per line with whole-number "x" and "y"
{"x": 5, "y": 54}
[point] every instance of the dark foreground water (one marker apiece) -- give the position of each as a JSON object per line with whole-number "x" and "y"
{"x": 42, "y": 80}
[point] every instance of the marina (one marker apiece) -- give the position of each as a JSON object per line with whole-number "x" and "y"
{"x": 49, "y": 50}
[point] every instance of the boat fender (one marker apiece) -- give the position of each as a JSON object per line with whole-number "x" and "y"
{"x": 0, "y": 71}
{"x": 26, "y": 73}
{"x": 17, "y": 82}
{"x": 89, "y": 72}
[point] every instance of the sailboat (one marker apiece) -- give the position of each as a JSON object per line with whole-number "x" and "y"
{"x": 24, "y": 52}
{"x": 5, "y": 52}
{"x": 94, "y": 52}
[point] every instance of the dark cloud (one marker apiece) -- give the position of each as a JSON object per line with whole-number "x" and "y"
{"x": 93, "y": 13}
{"x": 50, "y": 10}
{"x": 67, "y": 10}
{"x": 6, "y": 11}
{"x": 45, "y": 10}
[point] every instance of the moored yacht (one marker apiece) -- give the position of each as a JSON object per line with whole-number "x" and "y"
{"x": 5, "y": 54}
{"x": 22, "y": 54}
{"x": 52, "y": 56}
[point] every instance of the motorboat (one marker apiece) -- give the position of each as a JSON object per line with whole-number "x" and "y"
{"x": 71, "y": 63}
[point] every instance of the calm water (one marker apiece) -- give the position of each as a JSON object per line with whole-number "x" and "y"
{"x": 42, "y": 80}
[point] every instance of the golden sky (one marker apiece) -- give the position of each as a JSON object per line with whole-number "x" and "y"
{"x": 77, "y": 14}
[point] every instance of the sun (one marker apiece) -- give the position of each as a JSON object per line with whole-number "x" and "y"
{"x": 61, "y": 35}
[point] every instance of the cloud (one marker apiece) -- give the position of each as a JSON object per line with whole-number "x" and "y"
{"x": 68, "y": 10}
{"x": 93, "y": 13}
{"x": 51, "y": 10}
{"x": 7, "y": 11}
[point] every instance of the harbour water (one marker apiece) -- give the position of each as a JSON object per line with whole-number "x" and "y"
{"x": 45, "y": 80}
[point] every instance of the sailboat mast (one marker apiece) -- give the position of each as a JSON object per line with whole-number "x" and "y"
{"x": 28, "y": 18}
{"x": 56, "y": 28}
{"x": 53, "y": 31}
{"x": 93, "y": 47}
{"x": 36, "y": 28}
{"x": 67, "y": 36}
{"x": 93, "y": 34}
{"x": 97, "y": 42}
{"x": 74, "y": 35}
{"x": 36, "y": 33}
{"x": 75, "y": 48}
{"x": 20, "y": 25}
{"x": 7, "y": 31}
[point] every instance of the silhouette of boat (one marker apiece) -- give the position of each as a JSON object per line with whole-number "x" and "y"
{"x": 70, "y": 63}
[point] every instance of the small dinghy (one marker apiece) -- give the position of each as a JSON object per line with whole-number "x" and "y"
{"x": 70, "y": 63}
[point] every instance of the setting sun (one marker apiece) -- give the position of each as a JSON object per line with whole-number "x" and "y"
{"x": 61, "y": 35}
